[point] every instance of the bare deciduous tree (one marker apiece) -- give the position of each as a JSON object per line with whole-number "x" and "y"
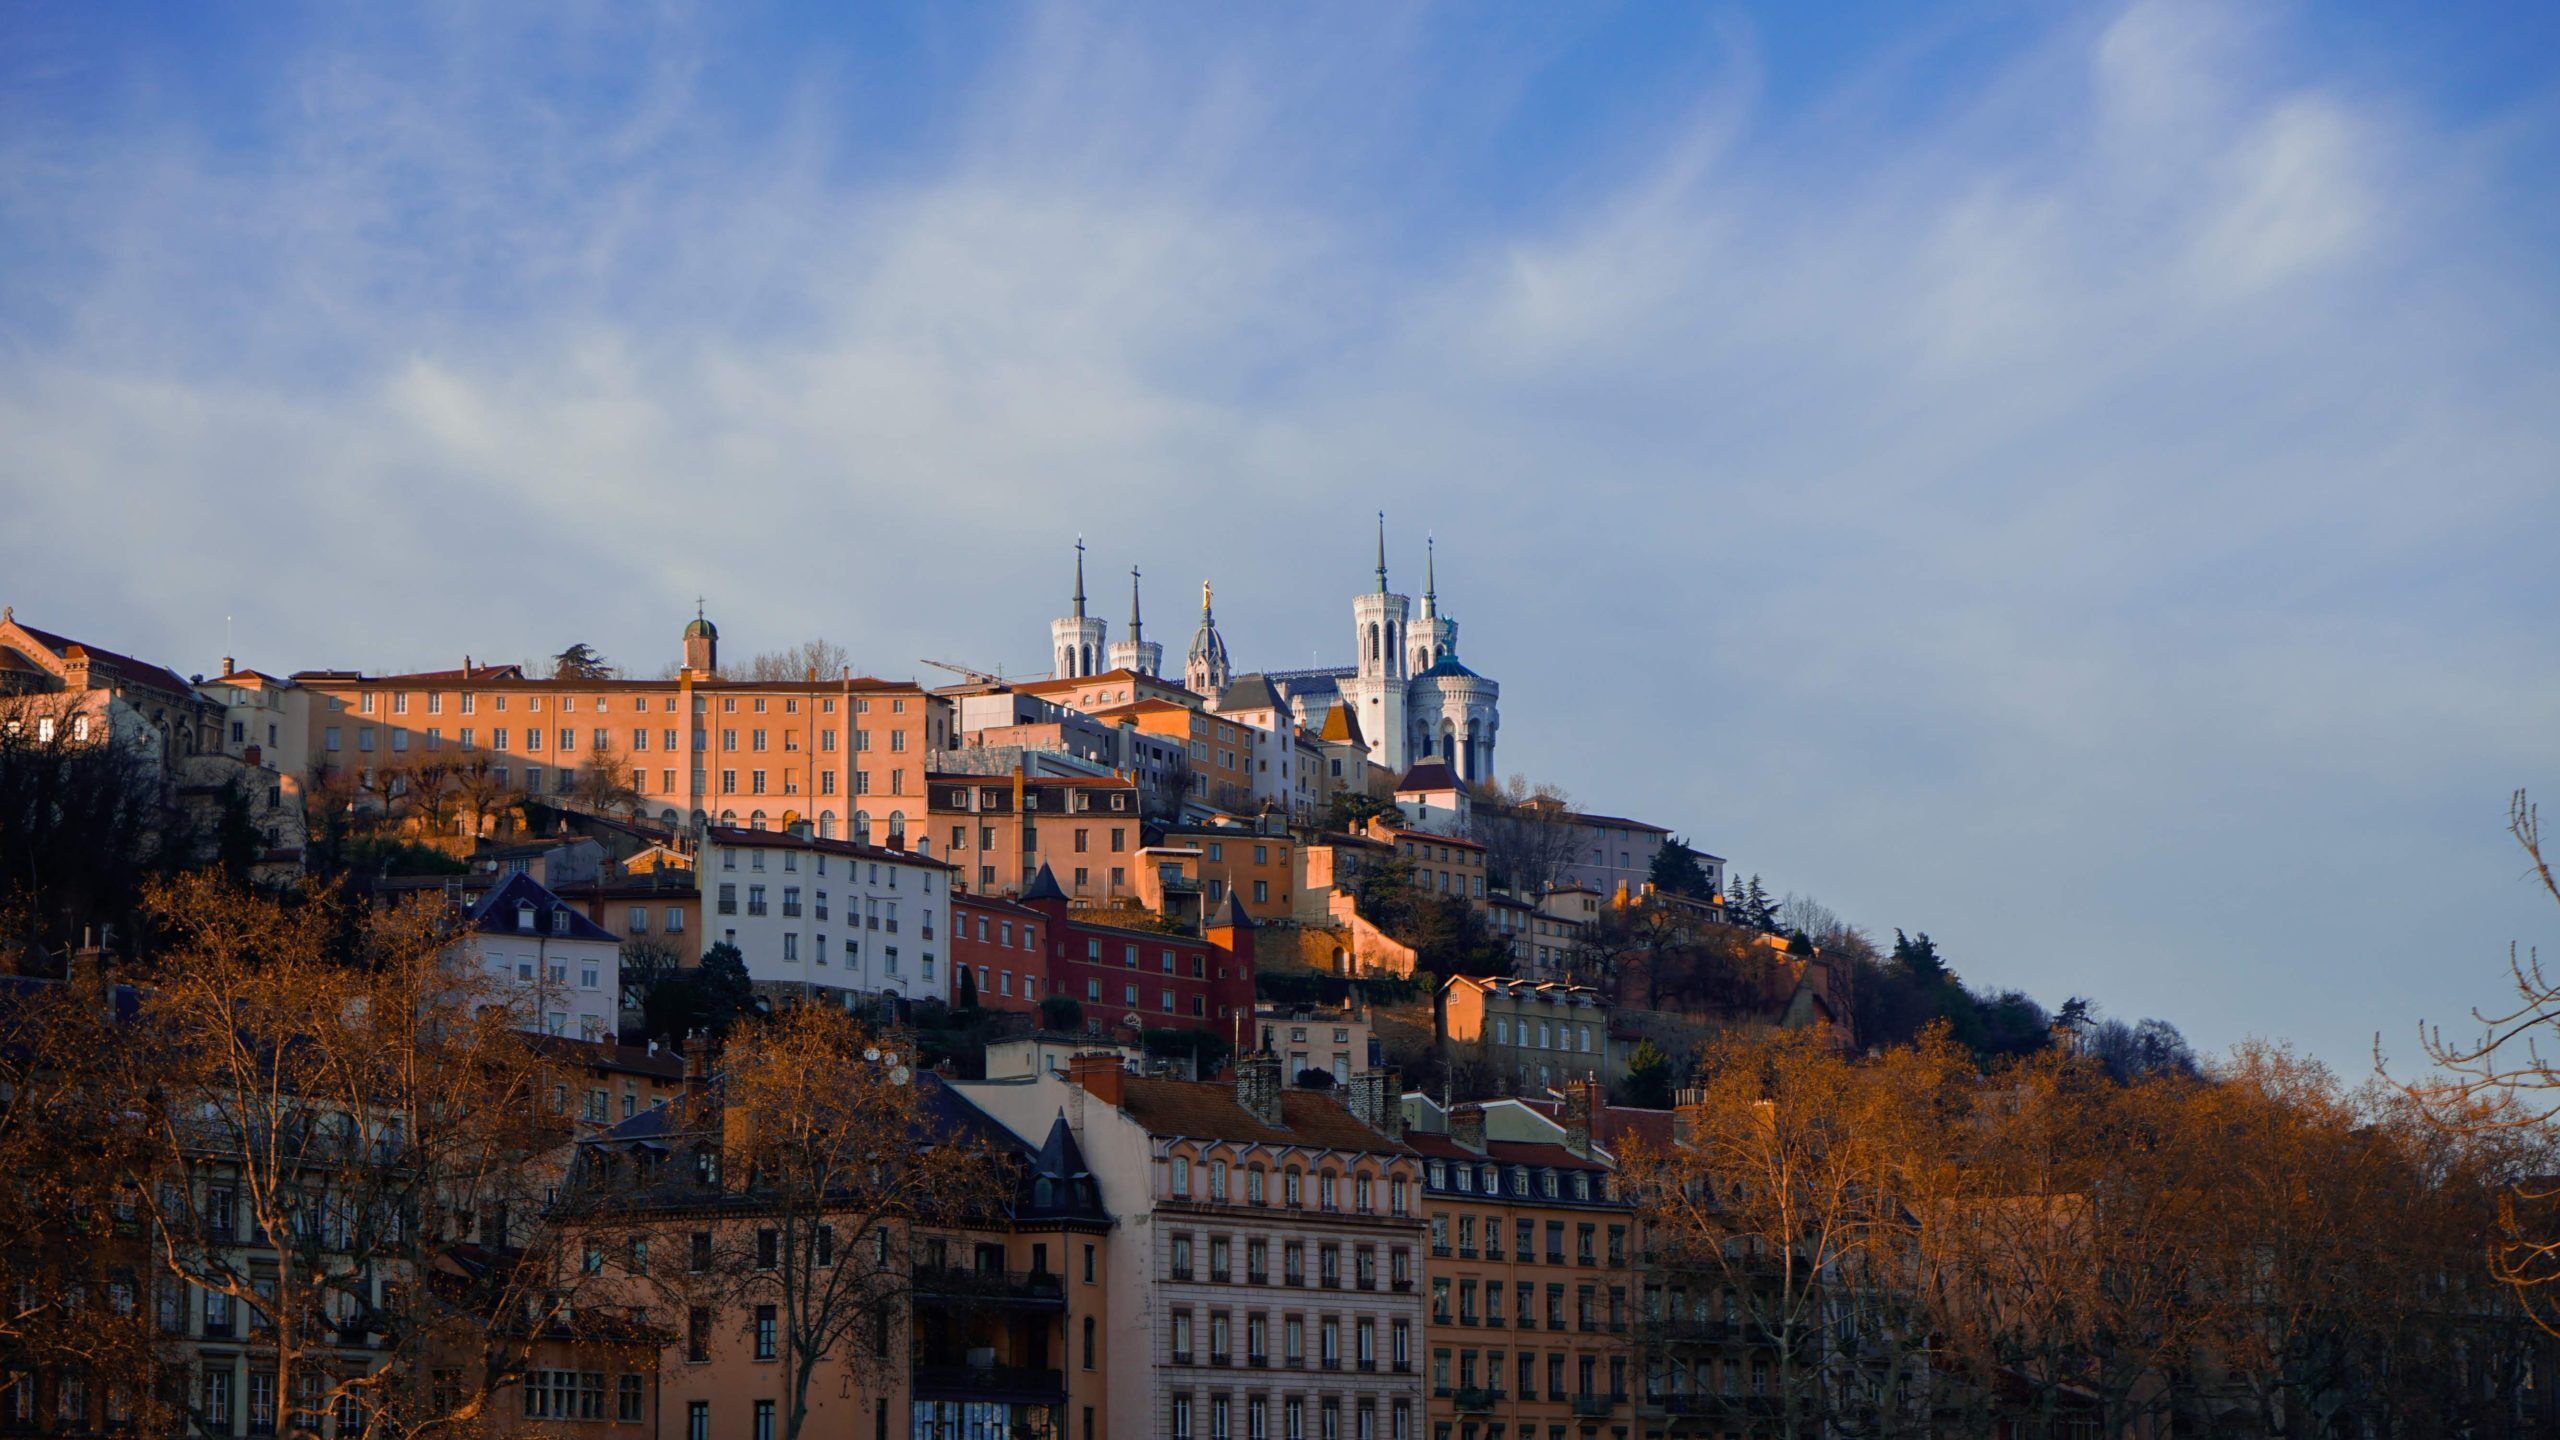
{"x": 322, "y": 1107}
{"x": 1528, "y": 831}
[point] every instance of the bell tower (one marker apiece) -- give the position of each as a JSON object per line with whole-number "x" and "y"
{"x": 701, "y": 643}
{"x": 1076, "y": 639}
{"x": 1137, "y": 653}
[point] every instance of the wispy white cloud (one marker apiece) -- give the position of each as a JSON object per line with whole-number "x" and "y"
{"x": 2093, "y": 521}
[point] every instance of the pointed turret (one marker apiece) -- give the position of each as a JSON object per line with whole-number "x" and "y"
{"x": 1044, "y": 886}
{"x": 1137, "y": 653}
{"x": 1382, "y": 552}
{"x": 1137, "y": 627}
{"x": 1077, "y": 638}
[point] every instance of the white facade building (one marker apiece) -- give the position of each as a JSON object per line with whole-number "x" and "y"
{"x": 829, "y": 915}
{"x": 566, "y": 968}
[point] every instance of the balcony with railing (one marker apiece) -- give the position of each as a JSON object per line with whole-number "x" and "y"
{"x": 962, "y": 1284}
{"x": 1596, "y": 1402}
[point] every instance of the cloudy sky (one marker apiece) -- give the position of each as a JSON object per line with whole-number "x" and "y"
{"x": 2082, "y": 481}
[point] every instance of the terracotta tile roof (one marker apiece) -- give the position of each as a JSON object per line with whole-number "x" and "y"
{"x": 1208, "y": 1111}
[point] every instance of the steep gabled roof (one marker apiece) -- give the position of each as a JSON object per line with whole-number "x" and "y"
{"x": 495, "y": 914}
{"x": 140, "y": 671}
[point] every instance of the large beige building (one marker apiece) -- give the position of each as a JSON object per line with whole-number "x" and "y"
{"x": 846, "y": 754}
{"x": 1266, "y": 1285}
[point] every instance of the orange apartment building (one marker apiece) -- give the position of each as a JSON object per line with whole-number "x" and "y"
{"x": 1108, "y": 690}
{"x": 847, "y": 754}
{"x": 1257, "y": 867}
{"x": 1221, "y": 751}
{"x": 997, "y": 830}
{"x": 1530, "y": 1273}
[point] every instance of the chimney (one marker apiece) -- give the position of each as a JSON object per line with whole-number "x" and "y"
{"x": 228, "y": 668}
{"x": 1581, "y": 1103}
{"x": 697, "y": 1060}
{"x": 87, "y": 969}
{"x": 1100, "y": 1076}
{"x": 1466, "y": 1127}
{"x": 1258, "y": 1086}
{"x": 1377, "y": 1102}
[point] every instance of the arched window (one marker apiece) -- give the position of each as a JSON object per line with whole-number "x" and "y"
{"x": 897, "y": 832}
{"x": 729, "y": 817}
{"x": 862, "y": 826}
{"x": 756, "y": 821}
{"x": 1373, "y": 642}
{"x": 827, "y": 826}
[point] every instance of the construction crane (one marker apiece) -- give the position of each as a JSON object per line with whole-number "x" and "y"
{"x": 973, "y": 676}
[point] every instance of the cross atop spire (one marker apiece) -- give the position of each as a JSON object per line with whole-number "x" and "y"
{"x": 1382, "y": 552}
{"x": 1079, "y": 577}
{"x": 1137, "y": 632}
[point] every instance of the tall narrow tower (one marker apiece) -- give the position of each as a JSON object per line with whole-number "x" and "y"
{"x": 1137, "y": 653}
{"x": 1076, "y": 640}
{"x": 1380, "y": 622}
{"x": 1206, "y": 672}
{"x": 701, "y": 643}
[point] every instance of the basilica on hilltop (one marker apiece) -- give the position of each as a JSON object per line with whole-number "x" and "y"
{"x": 1406, "y": 697}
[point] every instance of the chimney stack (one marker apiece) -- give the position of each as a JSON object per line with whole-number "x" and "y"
{"x": 1258, "y": 1086}
{"x": 1100, "y": 1076}
{"x": 1466, "y": 1127}
{"x": 1377, "y": 1102}
{"x": 1581, "y": 1103}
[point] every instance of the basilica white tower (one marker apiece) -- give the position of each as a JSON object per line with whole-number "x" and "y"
{"x": 1076, "y": 640}
{"x": 1375, "y": 690}
{"x": 1137, "y": 652}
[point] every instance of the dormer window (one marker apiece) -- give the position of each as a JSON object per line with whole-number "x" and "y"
{"x": 524, "y": 917}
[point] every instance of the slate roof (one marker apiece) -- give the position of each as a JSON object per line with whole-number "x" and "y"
{"x": 1430, "y": 775}
{"x": 1249, "y": 692}
{"x": 1207, "y": 1110}
{"x": 1501, "y": 1152}
{"x": 141, "y": 671}
{"x": 496, "y": 913}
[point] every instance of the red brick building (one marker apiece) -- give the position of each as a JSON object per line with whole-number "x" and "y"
{"x": 1004, "y": 949}
{"x": 1148, "y": 979}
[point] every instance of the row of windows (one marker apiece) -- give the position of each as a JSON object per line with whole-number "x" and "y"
{"x": 875, "y": 914}
{"x": 468, "y": 701}
{"x": 1586, "y": 1374}
{"x": 1293, "y": 1262}
{"x": 579, "y": 1395}
{"x": 1548, "y": 1034}
{"x": 1253, "y": 1186}
{"x": 1221, "y": 1415}
{"x": 1586, "y": 1305}
{"x": 1221, "y": 1333}
{"x": 1524, "y": 1236}
{"x": 1489, "y": 1178}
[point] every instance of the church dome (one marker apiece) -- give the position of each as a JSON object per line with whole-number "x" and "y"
{"x": 1448, "y": 668}
{"x": 701, "y": 629}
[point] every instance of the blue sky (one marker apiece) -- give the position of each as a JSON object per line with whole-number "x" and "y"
{"x": 2076, "y": 480}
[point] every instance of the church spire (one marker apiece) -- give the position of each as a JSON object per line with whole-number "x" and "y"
{"x": 1137, "y": 631}
{"x": 1430, "y": 571}
{"x": 1382, "y": 552}
{"x": 1079, "y": 577}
